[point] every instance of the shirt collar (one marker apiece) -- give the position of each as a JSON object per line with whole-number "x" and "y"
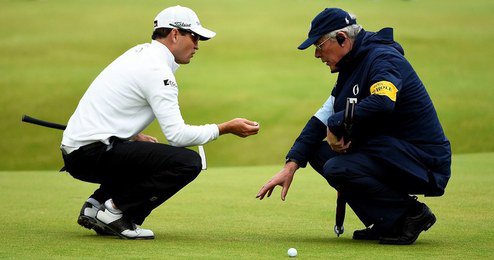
{"x": 170, "y": 59}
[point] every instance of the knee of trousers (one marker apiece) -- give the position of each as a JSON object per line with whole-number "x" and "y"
{"x": 189, "y": 163}
{"x": 317, "y": 166}
{"x": 337, "y": 171}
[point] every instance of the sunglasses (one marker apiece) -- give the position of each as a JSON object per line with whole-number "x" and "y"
{"x": 183, "y": 31}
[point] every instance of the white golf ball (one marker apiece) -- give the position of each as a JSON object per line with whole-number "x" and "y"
{"x": 292, "y": 252}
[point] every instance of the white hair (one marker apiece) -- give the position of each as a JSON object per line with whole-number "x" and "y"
{"x": 351, "y": 31}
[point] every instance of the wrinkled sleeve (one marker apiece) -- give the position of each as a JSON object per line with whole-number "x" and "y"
{"x": 162, "y": 94}
{"x": 312, "y": 134}
{"x": 305, "y": 144}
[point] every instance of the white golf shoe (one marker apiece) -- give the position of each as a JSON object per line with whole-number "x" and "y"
{"x": 114, "y": 220}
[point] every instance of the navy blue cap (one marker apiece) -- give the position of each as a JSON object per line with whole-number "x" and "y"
{"x": 327, "y": 21}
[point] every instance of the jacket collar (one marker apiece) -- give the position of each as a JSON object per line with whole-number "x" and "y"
{"x": 353, "y": 54}
{"x": 366, "y": 41}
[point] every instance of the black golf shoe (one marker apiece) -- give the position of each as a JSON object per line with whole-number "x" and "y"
{"x": 369, "y": 233}
{"x": 412, "y": 227}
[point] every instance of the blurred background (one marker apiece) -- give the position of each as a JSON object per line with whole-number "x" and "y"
{"x": 50, "y": 51}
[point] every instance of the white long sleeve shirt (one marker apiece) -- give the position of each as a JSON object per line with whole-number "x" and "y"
{"x": 128, "y": 95}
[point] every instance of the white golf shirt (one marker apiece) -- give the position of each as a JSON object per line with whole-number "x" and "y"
{"x": 128, "y": 95}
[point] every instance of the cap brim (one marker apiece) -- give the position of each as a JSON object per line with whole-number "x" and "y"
{"x": 308, "y": 42}
{"x": 204, "y": 33}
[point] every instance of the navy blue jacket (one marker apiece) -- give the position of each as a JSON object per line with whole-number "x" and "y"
{"x": 392, "y": 101}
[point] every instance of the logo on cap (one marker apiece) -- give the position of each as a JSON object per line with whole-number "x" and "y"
{"x": 182, "y": 24}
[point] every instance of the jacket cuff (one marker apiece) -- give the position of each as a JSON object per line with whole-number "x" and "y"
{"x": 335, "y": 124}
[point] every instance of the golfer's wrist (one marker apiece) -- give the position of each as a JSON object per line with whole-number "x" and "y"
{"x": 291, "y": 164}
{"x": 222, "y": 128}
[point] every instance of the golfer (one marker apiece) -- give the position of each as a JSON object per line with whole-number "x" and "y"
{"x": 397, "y": 147}
{"x": 104, "y": 143}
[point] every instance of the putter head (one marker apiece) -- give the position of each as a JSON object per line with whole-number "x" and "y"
{"x": 202, "y": 154}
{"x": 338, "y": 230}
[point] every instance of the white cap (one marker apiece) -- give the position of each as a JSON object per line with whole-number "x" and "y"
{"x": 182, "y": 18}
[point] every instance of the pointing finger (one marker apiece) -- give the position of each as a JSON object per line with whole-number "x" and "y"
{"x": 270, "y": 191}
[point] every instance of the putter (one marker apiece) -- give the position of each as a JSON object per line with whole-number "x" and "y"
{"x": 340, "y": 201}
{"x": 202, "y": 153}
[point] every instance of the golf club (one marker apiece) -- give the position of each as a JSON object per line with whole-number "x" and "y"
{"x": 32, "y": 120}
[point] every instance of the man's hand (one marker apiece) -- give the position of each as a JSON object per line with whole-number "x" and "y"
{"x": 144, "y": 138}
{"x": 239, "y": 127}
{"x": 338, "y": 146}
{"x": 283, "y": 178}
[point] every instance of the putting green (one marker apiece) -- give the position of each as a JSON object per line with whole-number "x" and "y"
{"x": 217, "y": 216}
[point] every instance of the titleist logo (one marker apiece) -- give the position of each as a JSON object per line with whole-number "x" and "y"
{"x": 182, "y": 24}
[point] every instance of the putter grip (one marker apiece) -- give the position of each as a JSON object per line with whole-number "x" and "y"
{"x": 348, "y": 117}
{"x": 32, "y": 120}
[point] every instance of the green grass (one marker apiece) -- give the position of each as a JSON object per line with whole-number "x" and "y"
{"x": 217, "y": 216}
{"x": 51, "y": 51}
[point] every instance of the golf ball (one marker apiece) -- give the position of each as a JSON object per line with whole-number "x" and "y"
{"x": 292, "y": 252}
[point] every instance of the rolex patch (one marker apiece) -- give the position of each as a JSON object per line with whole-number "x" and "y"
{"x": 384, "y": 88}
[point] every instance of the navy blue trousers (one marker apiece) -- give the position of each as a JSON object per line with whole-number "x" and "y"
{"x": 377, "y": 178}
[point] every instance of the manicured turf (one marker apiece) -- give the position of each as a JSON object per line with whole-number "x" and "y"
{"x": 217, "y": 216}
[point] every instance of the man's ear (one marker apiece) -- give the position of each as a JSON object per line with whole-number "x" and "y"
{"x": 340, "y": 38}
{"x": 174, "y": 35}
